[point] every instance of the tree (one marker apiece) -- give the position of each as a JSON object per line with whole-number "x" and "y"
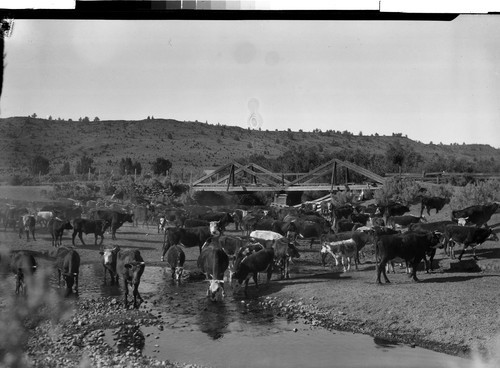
{"x": 40, "y": 165}
{"x": 66, "y": 170}
{"x": 161, "y": 166}
{"x": 85, "y": 165}
{"x": 396, "y": 154}
{"x": 127, "y": 167}
{"x": 96, "y": 119}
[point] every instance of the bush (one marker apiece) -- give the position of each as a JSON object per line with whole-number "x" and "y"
{"x": 472, "y": 194}
{"x": 403, "y": 190}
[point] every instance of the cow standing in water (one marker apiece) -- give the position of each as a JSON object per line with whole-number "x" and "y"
{"x": 213, "y": 262}
{"x": 175, "y": 258}
{"x": 68, "y": 266}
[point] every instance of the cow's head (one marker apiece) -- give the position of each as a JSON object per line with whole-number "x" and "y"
{"x": 109, "y": 255}
{"x": 133, "y": 272}
{"x": 462, "y": 221}
{"x": 325, "y": 250}
{"x": 292, "y": 250}
{"x": 216, "y": 290}
{"x": 215, "y": 228}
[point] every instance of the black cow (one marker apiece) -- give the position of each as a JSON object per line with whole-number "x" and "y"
{"x": 343, "y": 211}
{"x": 252, "y": 264}
{"x": 56, "y": 227}
{"x": 478, "y": 215}
{"x": 109, "y": 259}
{"x": 68, "y": 265}
{"x": 188, "y": 237}
{"x": 130, "y": 267}
{"x": 403, "y": 221}
{"x": 114, "y": 219}
{"x": 395, "y": 209}
{"x": 430, "y": 203}
{"x": 95, "y": 227}
{"x": 27, "y": 225}
{"x": 23, "y": 265}
{"x": 175, "y": 258}
{"x": 410, "y": 246}
{"x": 213, "y": 262}
{"x": 308, "y": 230}
{"x": 195, "y": 222}
{"x": 468, "y": 236}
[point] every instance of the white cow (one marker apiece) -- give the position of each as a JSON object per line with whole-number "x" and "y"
{"x": 43, "y": 217}
{"x": 342, "y": 251}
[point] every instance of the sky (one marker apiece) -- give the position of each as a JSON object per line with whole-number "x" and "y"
{"x": 432, "y": 81}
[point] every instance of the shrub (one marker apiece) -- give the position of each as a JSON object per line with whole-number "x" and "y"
{"x": 472, "y": 194}
{"x": 398, "y": 189}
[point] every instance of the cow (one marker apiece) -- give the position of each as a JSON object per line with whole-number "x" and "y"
{"x": 284, "y": 251}
{"x": 265, "y": 237}
{"x": 114, "y": 219}
{"x": 188, "y": 237}
{"x": 12, "y": 216}
{"x": 231, "y": 245}
{"x": 404, "y": 221}
{"x": 344, "y": 225}
{"x": 468, "y": 236}
{"x": 429, "y": 203}
{"x": 478, "y": 215}
{"x": 68, "y": 266}
{"x": 252, "y": 264}
{"x": 238, "y": 216}
{"x": 195, "y": 223}
{"x": 130, "y": 267}
{"x": 309, "y": 230}
{"x": 213, "y": 262}
{"x": 409, "y": 246}
{"x": 175, "y": 258}
{"x": 394, "y": 209}
{"x": 224, "y": 218}
{"x": 95, "y": 227}
{"x": 362, "y": 218}
{"x": 23, "y": 265}
{"x": 56, "y": 228}
{"x": 27, "y": 225}
{"x": 342, "y": 250}
{"x": 43, "y": 217}
{"x": 141, "y": 213}
{"x": 109, "y": 259}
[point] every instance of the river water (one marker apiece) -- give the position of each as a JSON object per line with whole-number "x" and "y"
{"x": 239, "y": 333}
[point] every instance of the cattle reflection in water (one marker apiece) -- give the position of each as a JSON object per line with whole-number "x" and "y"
{"x": 213, "y": 319}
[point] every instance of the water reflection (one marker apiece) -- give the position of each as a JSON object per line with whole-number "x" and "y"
{"x": 213, "y": 319}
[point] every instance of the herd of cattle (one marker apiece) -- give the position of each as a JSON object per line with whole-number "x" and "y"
{"x": 268, "y": 241}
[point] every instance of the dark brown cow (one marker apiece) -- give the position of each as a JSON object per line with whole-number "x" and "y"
{"x": 56, "y": 227}
{"x": 114, "y": 219}
{"x": 410, "y": 246}
{"x": 213, "y": 262}
{"x": 468, "y": 236}
{"x": 403, "y": 221}
{"x": 188, "y": 237}
{"x": 175, "y": 258}
{"x": 478, "y": 215}
{"x": 251, "y": 265}
{"x": 430, "y": 203}
{"x": 95, "y": 227}
{"x": 130, "y": 267}
{"x": 284, "y": 251}
{"x": 68, "y": 265}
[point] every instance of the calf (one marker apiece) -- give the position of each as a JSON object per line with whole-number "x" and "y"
{"x": 175, "y": 258}
{"x": 468, "y": 236}
{"x": 130, "y": 267}
{"x": 23, "y": 265}
{"x": 114, "y": 219}
{"x": 343, "y": 250}
{"x": 284, "y": 251}
{"x": 27, "y": 225}
{"x": 95, "y": 227}
{"x": 252, "y": 264}
{"x": 478, "y": 215}
{"x": 430, "y": 203}
{"x": 410, "y": 246}
{"x": 213, "y": 262}
{"x": 56, "y": 228}
{"x": 109, "y": 259}
{"x": 68, "y": 265}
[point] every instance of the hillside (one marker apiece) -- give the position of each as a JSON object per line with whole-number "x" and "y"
{"x": 190, "y": 146}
